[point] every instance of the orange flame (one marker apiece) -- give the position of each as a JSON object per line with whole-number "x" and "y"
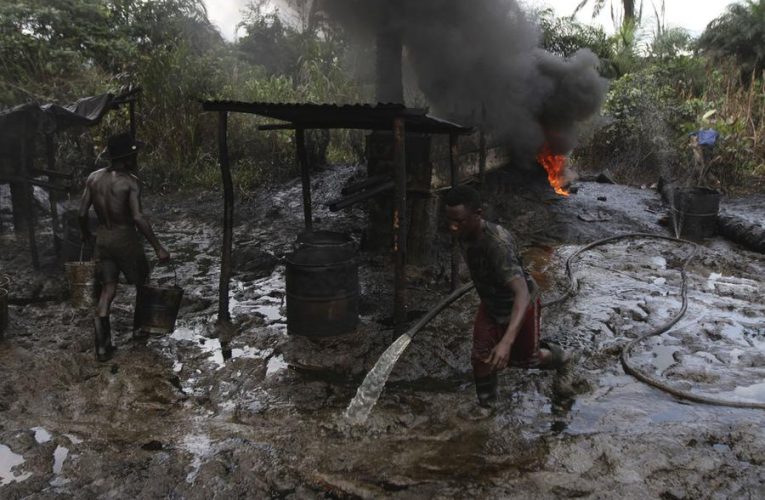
{"x": 555, "y": 165}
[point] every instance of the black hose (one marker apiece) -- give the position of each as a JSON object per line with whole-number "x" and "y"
{"x": 456, "y": 294}
{"x": 625, "y": 359}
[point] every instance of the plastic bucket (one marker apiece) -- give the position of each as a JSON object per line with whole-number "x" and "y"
{"x": 156, "y": 308}
{"x": 694, "y": 212}
{"x": 82, "y": 283}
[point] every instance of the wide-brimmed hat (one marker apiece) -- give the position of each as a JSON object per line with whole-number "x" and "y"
{"x": 122, "y": 145}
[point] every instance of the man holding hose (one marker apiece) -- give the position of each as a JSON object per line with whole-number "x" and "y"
{"x": 115, "y": 194}
{"x": 506, "y": 327}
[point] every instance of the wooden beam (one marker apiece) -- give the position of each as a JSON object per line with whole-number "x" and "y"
{"x": 399, "y": 224}
{"x": 228, "y": 218}
{"x": 305, "y": 177}
{"x": 27, "y": 156}
{"x": 50, "y": 154}
{"x": 454, "y": 179}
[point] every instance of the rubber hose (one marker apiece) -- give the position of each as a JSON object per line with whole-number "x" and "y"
{"x": 625, "y": 354}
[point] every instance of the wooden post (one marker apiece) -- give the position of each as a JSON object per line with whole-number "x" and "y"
{"x": 228, "y": 218}
{"x": 453, "y": 154}
{"x": 305, "y": 176}
{"x": 50, "y": 153}
{"x": 399, "y": 224}
{"x": 482, "y": 148}
{"x": 29, "y": 207}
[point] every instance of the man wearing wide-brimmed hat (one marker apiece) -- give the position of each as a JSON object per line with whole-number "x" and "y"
{"x": 115, "y": 194}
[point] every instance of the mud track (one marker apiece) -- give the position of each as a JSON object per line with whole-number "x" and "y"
{"x": 248, "y": 412}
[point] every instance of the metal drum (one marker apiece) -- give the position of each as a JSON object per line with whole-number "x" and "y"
{"x": 83, "y": 290}
{"x": 156, "y": 307}
{"x": 694, "y": 212}
{"x": 322, "y": 277}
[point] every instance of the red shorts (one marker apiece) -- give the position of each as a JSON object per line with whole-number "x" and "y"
{"x": 487, "y": 333}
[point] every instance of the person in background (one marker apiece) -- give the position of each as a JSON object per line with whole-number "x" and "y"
{"x": 114, "y": 193}
{"x": 703, "y": 142}
{"x": 506, "y": 328}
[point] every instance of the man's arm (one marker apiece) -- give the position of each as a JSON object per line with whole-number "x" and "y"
{"x": 82, "y": 217}
{"x": 134, "y": 200}
{"x": 500, "y": 355}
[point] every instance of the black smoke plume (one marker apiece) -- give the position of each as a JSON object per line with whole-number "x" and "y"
{"x": 479, "y": 62}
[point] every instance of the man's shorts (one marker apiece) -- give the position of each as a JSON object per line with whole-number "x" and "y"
{"x": 487, "y": 333}
{"x": 120, "y": 249}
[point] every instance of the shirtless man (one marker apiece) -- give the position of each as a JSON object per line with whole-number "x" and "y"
{"x": 115, "y": 194}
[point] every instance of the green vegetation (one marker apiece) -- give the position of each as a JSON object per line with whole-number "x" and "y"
{"x": 663, "y": 82}
{"x": 61, "y": 50}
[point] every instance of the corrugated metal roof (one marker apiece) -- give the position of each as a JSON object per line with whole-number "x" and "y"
{"x": 357, "y": 116}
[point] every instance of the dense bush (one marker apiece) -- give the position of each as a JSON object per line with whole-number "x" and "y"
{"x": 61, "y": 50}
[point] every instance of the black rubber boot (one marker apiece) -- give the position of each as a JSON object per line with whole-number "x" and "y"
{"x": 486, "y": 390}
{"x": 103, "y": 331}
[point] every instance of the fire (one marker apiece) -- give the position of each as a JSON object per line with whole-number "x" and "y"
{"x": 555, "y": 165}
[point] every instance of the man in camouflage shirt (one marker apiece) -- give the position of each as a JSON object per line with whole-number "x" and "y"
{"x": 507, "y": 325}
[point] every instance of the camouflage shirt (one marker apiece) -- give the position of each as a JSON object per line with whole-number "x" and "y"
{"x": 493, "y": 261}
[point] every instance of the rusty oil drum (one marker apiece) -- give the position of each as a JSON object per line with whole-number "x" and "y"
{"x": 322, "y": 276}
{"x": 695, "y": 211}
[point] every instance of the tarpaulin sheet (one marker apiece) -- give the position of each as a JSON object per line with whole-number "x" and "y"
{"x": 51, "y": 118}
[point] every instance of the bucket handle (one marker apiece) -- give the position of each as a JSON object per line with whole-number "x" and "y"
{"x": 175, "y": 273}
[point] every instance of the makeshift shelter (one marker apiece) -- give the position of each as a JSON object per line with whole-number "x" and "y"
{"x": 22, "y": 128}
{"x": 298, "y": 117}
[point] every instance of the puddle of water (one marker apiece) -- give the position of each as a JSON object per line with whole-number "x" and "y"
{"x": 205, "y": 344}
{"x": 275, "y": 365}
{"x": 265, "y": 298}
{"x": 663, "y": 357}
{"x": 200, "y": 446}
{"x": 754, "y": 392}
{"x": 59, "y": 456}
{"x": 8, "y": 461}
{"x": 41, "y": 435}
{"x": 659, "y": 262}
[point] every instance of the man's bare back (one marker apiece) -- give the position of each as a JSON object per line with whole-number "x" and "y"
{"x": 115, "y": 195}
{"x": 111, "y": 192}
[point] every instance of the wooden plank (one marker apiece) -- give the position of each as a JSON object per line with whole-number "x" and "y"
{"x": 228, "y": 219}
{"x": 399, "y": 225}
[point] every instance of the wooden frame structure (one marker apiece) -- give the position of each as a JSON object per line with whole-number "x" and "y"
{"x": 48, "y": 120}
{"x": 299, "y": 117}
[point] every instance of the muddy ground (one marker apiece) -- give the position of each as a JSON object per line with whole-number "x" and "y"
{"x": 249, "y": 411}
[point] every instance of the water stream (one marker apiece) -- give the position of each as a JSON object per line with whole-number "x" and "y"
{"x": 369, "y": 391}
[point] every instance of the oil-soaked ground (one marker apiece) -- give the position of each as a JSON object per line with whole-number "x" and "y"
{"x": 248, "y": 411}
